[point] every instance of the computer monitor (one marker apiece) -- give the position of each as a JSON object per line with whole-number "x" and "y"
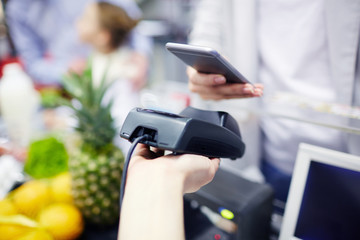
{"x": 324, "y": 196}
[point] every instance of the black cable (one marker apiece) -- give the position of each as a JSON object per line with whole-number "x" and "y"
{"x": 126, "y": 165}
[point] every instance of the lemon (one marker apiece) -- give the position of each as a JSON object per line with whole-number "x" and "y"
{"x": 7, "y": 207}
{"x": 12, "y": 231}
{"x": 61, "y": 188}
{"x": 12, "y": 227}
{"x": 38, "y": 234}
{"x": 31, "y": 197}
{"x": 63, "y": 221}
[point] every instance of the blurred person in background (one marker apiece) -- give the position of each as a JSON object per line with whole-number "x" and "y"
{"x": 308, "y": 48}
{"x": 46, "y": 40}
{"x": 105, "y": 27}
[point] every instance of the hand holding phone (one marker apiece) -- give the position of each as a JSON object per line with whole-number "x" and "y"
{"x": 214, "y": 87}
{"x": 211, "y": 75}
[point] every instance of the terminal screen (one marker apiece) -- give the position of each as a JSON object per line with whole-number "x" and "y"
{"x": 330, "y": 207}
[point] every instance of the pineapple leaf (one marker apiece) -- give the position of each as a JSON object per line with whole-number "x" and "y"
{"x": 72, "y": 84}
{"x": 95, "y": 123}
{"x": 65, "y": 102}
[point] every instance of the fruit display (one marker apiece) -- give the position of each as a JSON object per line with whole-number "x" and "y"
{"x": 62, "y": 220}
{"x": 47, "y": 157}
{"x": 41, "y": 209}
{"x": 7, "y": 207}
{"x": 96, "y": 163}
{"x": 60, "y": 188}
{"x": 37, "y": 234}
{"x": 16, "y": 226}
{"x": 70, "y": 184}
{"x": 31, "y": 197}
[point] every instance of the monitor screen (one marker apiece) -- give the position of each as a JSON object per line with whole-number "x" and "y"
{"x": 324, "y": 196}
{"x": 330, "y": 207}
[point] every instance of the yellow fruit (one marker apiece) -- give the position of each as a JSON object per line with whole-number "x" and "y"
{"x": 38, "y": 234}
{"x": 31, "y": 197}
{"x": 12, "y": 231}
{"x": 12, "y": 227}
{"x": 61, "y": 188}
{"x": 7, "y": 207}
{"x": 63, "y": 221}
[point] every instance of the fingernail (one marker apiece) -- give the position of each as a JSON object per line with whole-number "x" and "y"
{"x": 248, "y": 90}
{"x": 258, "y": 92}
{"x": 219, "y": 80}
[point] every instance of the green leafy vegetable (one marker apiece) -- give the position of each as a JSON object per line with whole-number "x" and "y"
{"x": 46, "y": 158}
{"x": 50, "y": 97}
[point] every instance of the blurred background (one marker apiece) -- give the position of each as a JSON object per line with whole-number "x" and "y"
{"x": 60, "y": 171}
{"x": 47, "y": 50}
{"x": 70, "y": 71}
{"x": 162, "y": 21}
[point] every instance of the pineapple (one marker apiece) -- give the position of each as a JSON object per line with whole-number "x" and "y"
{"x": 96, "y": 164}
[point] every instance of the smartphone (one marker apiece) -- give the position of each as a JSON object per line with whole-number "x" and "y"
{"x": 206, "y": 60}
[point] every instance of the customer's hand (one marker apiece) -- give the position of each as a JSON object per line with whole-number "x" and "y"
{"x": 214, "y": 87}
{"x": 193, "y": 171}
{"x": 153, "y": 200}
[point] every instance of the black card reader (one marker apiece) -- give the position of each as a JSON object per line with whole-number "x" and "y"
{"x": 194, "y": 131}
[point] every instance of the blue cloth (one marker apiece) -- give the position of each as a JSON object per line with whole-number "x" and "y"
{"x": 277, "y": 179}
{"x": 45, "y": 36}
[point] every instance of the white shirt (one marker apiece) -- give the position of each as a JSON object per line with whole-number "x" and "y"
{"x": 294, "y": 58}
{"x": 119, "y": 70}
